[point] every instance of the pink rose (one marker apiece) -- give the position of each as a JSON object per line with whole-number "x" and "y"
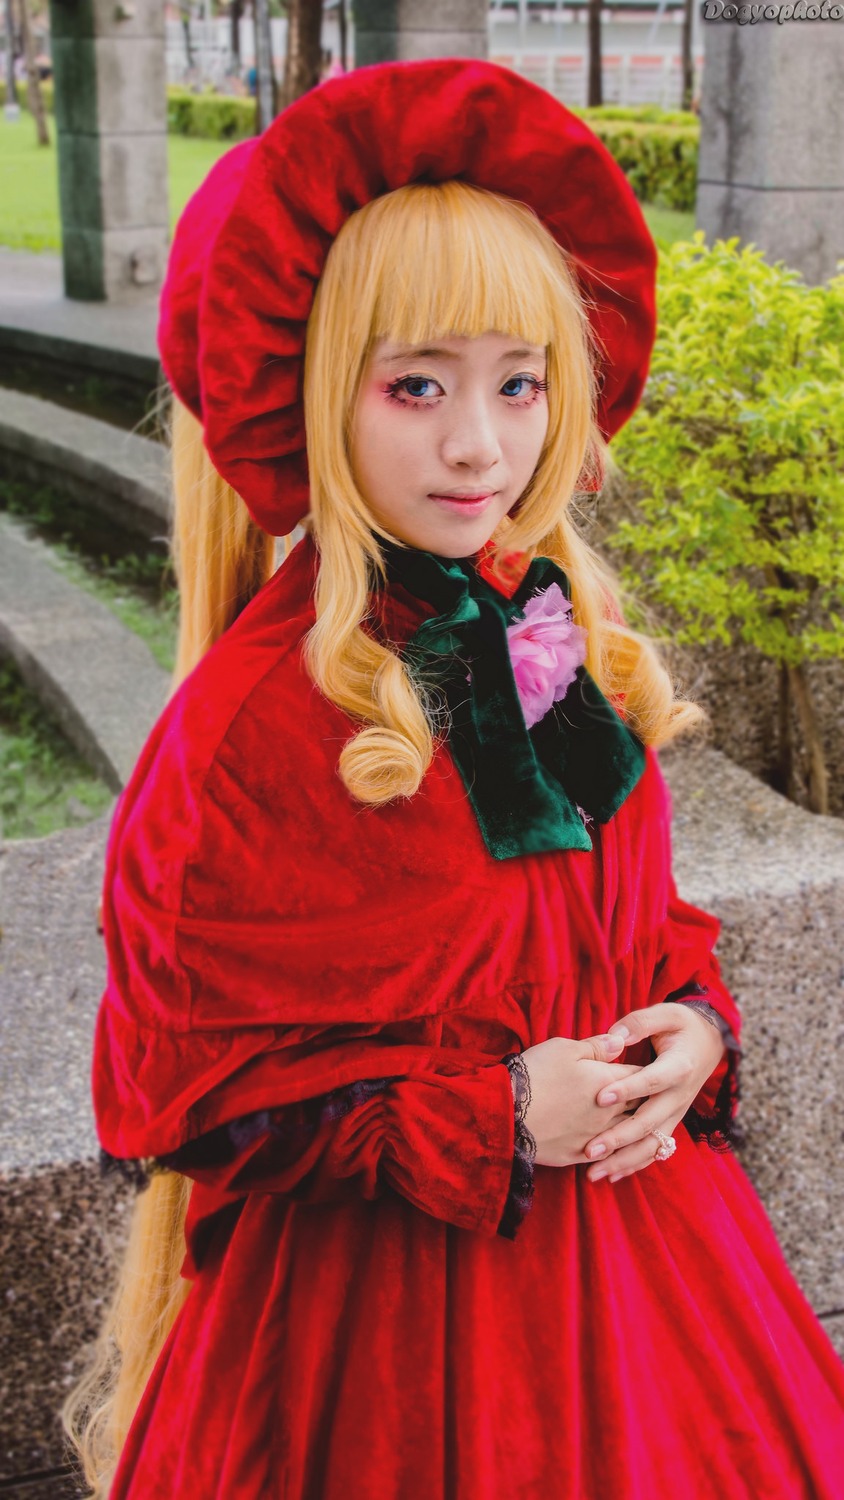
{"x": 546, "y": 649}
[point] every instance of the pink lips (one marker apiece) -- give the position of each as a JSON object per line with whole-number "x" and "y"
{"x": 465, "y": 501}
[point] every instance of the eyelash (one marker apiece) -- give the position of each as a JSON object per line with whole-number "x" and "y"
{"x": 418, "y": 402}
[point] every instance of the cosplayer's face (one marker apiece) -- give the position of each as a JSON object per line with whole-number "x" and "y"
{"x": 445, "y": 439}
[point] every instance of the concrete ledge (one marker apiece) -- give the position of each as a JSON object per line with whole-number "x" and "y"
{"x": 38, "y": 322}
{"x": 775, "y": 876}
{"x": 98, "y": 679}
{"x": 140, "y": 372}
{"x": 123, "y": 476}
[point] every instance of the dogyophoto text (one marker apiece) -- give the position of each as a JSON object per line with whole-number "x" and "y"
{"x": 799, "y": 10}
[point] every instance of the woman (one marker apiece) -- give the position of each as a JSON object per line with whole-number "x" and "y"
{"x": 397, "y": 970}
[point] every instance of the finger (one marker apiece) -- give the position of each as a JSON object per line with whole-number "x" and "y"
{"x": 603, "y": 1048}
{"x": 668, "y": 1071}
{"x": 621, "y": 1071}
{"x": 616, "y": 1173}
{"x": 625, "y": 1163}
{"x": 649, "y": 1020}
{"x": 632, "y": 1128}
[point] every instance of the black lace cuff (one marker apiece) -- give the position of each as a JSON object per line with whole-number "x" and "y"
{"x": 520, "y": 1196}
{"x": 721, "y": 1129}
{"x": 293, "y": 1126}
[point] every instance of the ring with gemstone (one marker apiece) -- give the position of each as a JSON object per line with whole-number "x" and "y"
{"x": 667, "y": 1145}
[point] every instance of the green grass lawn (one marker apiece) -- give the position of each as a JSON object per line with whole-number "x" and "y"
{"x": 29, "y": 201}
{"x": 44, "y": 783}
{"x": 29, "y": 195}
{"x": 133, "y": 578}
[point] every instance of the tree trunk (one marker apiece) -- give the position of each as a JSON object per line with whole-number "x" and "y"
{"x": 235, "y": 13}
{"x": 343, "y": 23}
{"x": 818, "y": 774}
{"x": 595, "y": 93}
{"x": 686, "y": 49}
{"x": 184, "y": 12}
{"x": 785, "y": 755}
{"x": 304, "y": 50}
{"x": 11, "y": 84}
{"x": 264, "y": 63}
{"x": 33, "y": 82}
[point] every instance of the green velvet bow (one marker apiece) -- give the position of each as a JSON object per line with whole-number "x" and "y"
{"x": 525, "y": 785}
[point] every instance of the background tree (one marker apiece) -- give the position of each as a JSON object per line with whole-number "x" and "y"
{"x": 33, "y": 81}
{"x": 736, "y": 533}
{"x": 343, "y": 28}
{"x": 235, "y": 17}
{"x": 267, "y": 92}
{"x": 686, "y": 56}
{"x": 185, "y": 18}
{"x": 12, "y": 106}
{"x": 595, "y": 87}
{"x": 304, "y": 49}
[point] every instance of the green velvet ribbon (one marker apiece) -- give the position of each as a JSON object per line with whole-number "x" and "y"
{"x": 524, "y": 785}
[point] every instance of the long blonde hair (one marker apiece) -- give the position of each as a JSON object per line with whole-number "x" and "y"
{"x": 423, "y": 262}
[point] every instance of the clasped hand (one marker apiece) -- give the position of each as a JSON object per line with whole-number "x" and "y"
{"x": 581, "y": 1094}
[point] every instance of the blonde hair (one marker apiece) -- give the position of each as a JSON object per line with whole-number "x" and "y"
{"x": 423, "y": 262}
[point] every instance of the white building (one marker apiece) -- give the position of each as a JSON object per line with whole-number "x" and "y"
{"x": 546, "y": 40}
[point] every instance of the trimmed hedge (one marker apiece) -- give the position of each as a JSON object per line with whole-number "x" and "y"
{"x": 643, "y": 114}
{"x": 210, "y": 117}
{"x": 660, "y": 161}
{"x": 657, "y": 149}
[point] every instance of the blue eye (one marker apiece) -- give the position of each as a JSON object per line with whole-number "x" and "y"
{"x": 422, "y": 390}
{"x": 519, "y": 380}
{"x": 413, "y": 383}
{"x": 414, "y": 391}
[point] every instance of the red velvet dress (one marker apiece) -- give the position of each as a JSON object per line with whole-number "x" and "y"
{"x": 358, "y": 1328}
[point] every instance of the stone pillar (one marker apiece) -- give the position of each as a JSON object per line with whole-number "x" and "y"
{"x": 772, "y": 137}
{"x": 406, "y": 30}
{"x": 111, "y": 122}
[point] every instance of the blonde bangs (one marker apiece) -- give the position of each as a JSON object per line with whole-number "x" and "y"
{"x": 429, "y": 261}
{"x": 453, "y": 260}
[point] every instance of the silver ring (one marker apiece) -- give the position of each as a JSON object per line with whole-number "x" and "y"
{"x": 667, "y": 1145}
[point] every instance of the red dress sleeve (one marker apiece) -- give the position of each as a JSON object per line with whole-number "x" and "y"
{"x": 245, "y": 1093}
{"x": 444, "y": 1143}
{"x": 281, "y": 962}
{"x": 345, "y": 1144}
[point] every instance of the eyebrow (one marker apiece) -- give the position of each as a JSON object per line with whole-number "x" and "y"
{"x": 412, "y": 351}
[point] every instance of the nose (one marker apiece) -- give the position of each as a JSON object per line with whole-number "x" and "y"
{"x": 471, "y": 441}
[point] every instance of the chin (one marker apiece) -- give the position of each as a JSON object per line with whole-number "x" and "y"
{"x": 461, "y": 539}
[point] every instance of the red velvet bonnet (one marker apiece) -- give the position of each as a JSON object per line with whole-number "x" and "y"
{"x": 251, "y": 244}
